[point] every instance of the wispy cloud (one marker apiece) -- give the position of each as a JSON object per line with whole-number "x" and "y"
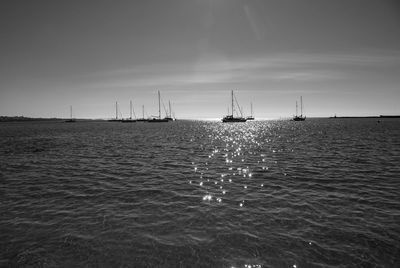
{"x": 293, "y": 67}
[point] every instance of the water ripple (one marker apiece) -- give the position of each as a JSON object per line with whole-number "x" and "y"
{"x": 319, "y": 193}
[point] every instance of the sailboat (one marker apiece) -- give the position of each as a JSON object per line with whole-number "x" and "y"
{"x": 71, "y": 120}
{"x": 158, "y": 119}
{"x": 130, "y": 119}
{"x": 169, "y": 116}
{"x": 299, "y": 117}
{"x": 251, "y": 117}
{"x": 231, "y": 117}
{"x": 142, "y": 119}
{"x": 116, "y": 114}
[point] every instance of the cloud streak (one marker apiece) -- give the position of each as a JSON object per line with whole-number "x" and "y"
{"x": 293, "y": 67}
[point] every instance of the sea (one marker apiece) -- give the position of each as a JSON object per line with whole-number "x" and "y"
{"x": 318, "y": 193}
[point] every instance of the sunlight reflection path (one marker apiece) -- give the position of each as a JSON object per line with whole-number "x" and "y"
{"x": 236, "y": 164}
{"x": 238, "y": 170}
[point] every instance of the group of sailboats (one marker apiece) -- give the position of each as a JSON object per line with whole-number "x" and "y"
{"x": 153, "y": 119}
{"x": 236, "y": 114}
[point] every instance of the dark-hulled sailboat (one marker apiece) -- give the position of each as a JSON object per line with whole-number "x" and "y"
{"x": 158, "y": 119}
{"x": 251, "y": 117}
{"x": 116, "y": 114}
{"x": 299, "y": 117}
{"x": 169, "y": 114}
{"x": 130, "y": 119}
{"x": 71, "y": 119}
{"x": 231, "y": 118}
{"x": 142, "y": 119}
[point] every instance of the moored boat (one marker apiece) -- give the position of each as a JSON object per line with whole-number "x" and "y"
{"x": 169, "y": 114}
{"x": 116, "y": 119}
{"x": 232, "y": 118}
{"x": 251, "y": 117}
{"x": 130, "y": 119}
{"x": 299, "y": 117}
{"x": 158, "y": 119}
{"x": 71, "y": 119}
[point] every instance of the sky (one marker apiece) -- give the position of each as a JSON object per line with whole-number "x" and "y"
{"x": 341, "y": 56}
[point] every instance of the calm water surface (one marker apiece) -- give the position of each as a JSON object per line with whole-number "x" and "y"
{"x": 319, "y": 193}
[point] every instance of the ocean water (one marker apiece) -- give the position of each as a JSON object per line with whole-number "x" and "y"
{"x": 319, "y": 193}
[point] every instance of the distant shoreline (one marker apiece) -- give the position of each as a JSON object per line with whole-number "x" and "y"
{"x": 29, "y": 119}
{"x": 54, "y": 119}
{"x": 23, "y": 119}
{"x": 350, "y": 117}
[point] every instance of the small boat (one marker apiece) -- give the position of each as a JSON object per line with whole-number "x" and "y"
{"x": 142, "y": 119}
{"x": 251, "y": 117}
{"x": 169, "y": 115}
{"x": 71, "y": 120}
{"x": 231, "y": 118}
{"x": 158, "y": 119}
{"x": 116, "y": 114}
{"x": 299, "y": 117}
{"x": 130, "y": 119}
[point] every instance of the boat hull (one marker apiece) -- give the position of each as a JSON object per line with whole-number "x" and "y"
{"x": 157, "y": 120}
{"x": 299, "y": 118}
{"x": 230, "y": 119}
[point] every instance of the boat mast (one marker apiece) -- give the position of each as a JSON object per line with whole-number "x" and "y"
{"x": 70, "y": 110}
{"x": 116, "y": 110}
{"x": 159, "y": 106}
{"x": 296, "y": 108}
{"x": 232, "y": 103}
{"x": 251, "y": 108}
{"x": 170, "y": 113}
{"x": 130, "y": 110}
{"x": 143, "y": 111}
{"x": 301, "y": 106}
